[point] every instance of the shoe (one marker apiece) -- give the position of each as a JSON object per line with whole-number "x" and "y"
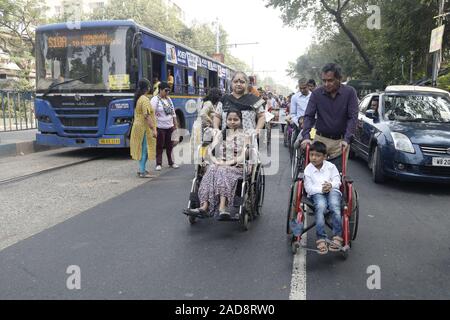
{"x": 175, "y": 166}
{"x": 158, "y": 168}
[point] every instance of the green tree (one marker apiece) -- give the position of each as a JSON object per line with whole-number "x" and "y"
{"x": 18, "y": 20}
{"x": 324, "y": 14}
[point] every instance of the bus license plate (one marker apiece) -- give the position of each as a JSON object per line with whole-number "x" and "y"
{"x": 109, "y": 141}
{"x": 441, "y": 162}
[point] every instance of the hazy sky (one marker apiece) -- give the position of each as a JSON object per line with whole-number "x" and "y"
{"x": 248, "y": 21}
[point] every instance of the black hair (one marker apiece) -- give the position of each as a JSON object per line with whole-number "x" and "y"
{"x": 142, "y": 88}
{"x": 311, "y": 81}
{"x": 163, "y": 85}
{"x": 238, "y": 113}
{"x": 335, "y": 68}
{"x": 319, "y": 147}
{"x": 214, "y": 95}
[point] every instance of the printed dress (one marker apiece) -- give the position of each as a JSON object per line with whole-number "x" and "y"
{"x": 222, "y": 180}
{"x": 140, "y": 127}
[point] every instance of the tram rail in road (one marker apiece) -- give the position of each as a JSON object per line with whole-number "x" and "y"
{"x": 47, "y": 170}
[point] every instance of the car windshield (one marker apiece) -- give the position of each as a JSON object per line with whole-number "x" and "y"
{"x": 88, "y": 60}
{"x": 417, "y": 108}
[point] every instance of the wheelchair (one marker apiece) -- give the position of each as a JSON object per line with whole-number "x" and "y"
{"x": 300, "y": 206}
{"x": 249, "y": 195}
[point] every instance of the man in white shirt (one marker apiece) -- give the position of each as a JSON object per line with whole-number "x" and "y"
{"x": 299, "y": 101}
{"x": 322, "y": 183}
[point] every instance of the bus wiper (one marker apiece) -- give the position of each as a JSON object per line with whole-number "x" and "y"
{"x": 61, "y": 83}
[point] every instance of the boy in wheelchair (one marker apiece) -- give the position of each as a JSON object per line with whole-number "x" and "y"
{"x": 218, "y": 185}
{"x": 322, "y": 182}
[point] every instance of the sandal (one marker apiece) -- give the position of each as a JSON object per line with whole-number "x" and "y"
{"x": 322, "y": 246}
{"x": 336, "y": 244}
{"x": 198, "y": 211}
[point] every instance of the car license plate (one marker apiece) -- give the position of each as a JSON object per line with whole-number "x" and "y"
{"x": 109, "y": 141}
{"x": 441, "y": 162}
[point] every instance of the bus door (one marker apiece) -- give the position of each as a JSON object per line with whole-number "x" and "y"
{"x": 202, "y": 80}
{"x": 158, "y": 66}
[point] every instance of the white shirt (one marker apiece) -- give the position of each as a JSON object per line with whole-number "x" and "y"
{"x": 299, "y": 102}
{"x": 314, "y": 178}
{"x": 164, "y": 121}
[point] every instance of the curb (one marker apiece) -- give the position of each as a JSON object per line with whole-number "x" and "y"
{"x": 22, "y": 148}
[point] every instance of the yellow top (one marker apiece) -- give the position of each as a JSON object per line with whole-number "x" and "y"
{"x": 142, "y": 111}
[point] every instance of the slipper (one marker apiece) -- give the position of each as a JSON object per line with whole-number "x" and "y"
{"x": 146, "y": 175}
{"x": 336, "y": 244}
{"x": 322, "y": 247}
{"x": 198, "y": 211}
{"x": 223, "y": 215}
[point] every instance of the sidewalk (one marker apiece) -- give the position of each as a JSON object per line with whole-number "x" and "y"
{"x": 14, "y": 143}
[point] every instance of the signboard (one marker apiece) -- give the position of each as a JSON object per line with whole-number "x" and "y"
{"x": 192, "y": 60}
{"x": 171, "y": 53}
{"x": 212, "y": 66}
{"x": 119, "y": 81}
{"x": 436, "y": 39}
{"x": 204, "y": 63}
{"x": 182, "y": 57}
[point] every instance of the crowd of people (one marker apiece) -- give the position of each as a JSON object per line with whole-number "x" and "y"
{"x": 331, "y": 109}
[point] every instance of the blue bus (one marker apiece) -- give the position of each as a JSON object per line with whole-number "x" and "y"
{"x": 86, "y": 78}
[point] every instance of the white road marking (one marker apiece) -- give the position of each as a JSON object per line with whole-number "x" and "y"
{"x": 298, "y": 282}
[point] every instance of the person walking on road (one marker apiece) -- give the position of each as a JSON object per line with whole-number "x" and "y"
{"x": 336, "y": 108}
{"x": 166, "y": 124}
{"x": 299, "y": 102}
{"x": 143, "y": 132}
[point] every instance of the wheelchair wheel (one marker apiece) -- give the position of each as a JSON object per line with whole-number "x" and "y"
{"x": 258, "y": 189}
{"x": 244, "y": 218}
{"x": 292, "y": 206}
{"x": 192, "y": 220}
{"x": 354, "y": 218}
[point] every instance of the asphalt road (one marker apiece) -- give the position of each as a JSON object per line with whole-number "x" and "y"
{"x": 138, "y": 245}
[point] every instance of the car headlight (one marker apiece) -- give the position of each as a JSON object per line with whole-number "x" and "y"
{"x": 402, "y": 142}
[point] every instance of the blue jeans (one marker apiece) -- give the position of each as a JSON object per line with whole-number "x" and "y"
{"x": 332, "y": 202}
{"x": 144, "y": 156}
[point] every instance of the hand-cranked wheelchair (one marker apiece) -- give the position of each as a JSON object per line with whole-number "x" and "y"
{"x": 249, "y": 194}
{"x": 300, "y": 206}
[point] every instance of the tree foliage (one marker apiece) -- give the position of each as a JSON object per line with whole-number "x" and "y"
{"x": 405, "y": 26}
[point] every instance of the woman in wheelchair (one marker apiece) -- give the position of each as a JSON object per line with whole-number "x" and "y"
{"x": 322, "y": 183}
{"x": 218, "y": 185}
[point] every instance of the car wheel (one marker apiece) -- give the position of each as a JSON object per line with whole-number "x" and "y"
{"x": 377, "y": 170}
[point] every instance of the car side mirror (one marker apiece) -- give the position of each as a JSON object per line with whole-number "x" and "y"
{"x": 371, "y": 114}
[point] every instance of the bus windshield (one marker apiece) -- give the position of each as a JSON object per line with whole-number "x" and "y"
{"x": 97, "y": 60}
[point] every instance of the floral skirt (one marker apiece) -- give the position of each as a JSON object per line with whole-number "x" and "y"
{"x": 219, "y": 181}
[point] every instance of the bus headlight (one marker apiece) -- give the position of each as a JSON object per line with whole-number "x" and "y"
{"x": 123, "y": 120}
{"x": 402, "y": 142}
{"x": 45, "y": 119}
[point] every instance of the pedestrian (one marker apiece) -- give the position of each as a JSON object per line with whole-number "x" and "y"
{"x": 251, "y": 106}
{"x": 156, "y": 83}
{"x": 311, "y": 85}
{"x": 209, "y": 106}
{"x": 299, "y": 102}
{"x": 143, "y": 132}
{"x": 322, "y": 183}
{"x": 336, "y": 108}
{"x": 252, "y": 86}
{"x": 218, "y": 185}
{"x": 166, "y": 124}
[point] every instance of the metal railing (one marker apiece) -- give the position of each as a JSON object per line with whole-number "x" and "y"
{"x": 17, "y": 110}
